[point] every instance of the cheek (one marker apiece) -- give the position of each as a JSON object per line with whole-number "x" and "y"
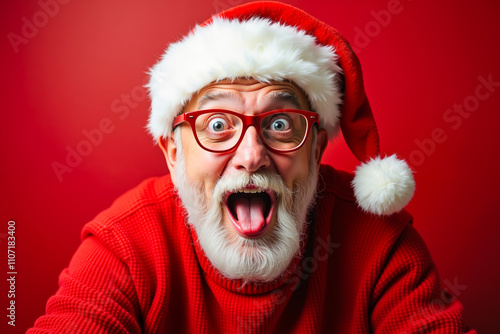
{"x": 293, "y": 168}
{"x": 203, "y": 167}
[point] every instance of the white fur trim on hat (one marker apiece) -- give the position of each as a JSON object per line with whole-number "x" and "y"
{"x": 383, "y": 185}
{"x": 231, "y": 49}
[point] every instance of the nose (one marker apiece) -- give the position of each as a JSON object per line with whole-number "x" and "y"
{"x": 251, "y": 155}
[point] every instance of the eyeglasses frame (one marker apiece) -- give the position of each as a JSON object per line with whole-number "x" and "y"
{"x": 248, "y": 120}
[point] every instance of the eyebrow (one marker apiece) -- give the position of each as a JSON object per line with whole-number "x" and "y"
{"x": 288, "y": 96}
{"x": 215, "y": 96}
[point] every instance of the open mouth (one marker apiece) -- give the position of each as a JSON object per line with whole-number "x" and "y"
{"x": 251, "y": 210}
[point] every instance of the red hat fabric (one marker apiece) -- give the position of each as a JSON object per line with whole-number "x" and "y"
{"x": 276, "y": 41}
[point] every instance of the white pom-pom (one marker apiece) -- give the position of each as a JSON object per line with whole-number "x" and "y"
{"x": 383, "y": 185}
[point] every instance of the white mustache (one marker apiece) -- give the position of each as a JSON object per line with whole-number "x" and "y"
{"x": 265, "y": 181}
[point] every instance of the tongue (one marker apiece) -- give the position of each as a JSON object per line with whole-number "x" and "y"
{"x": 250, "y": 212}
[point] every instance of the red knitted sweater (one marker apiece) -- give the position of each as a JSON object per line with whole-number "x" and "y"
{"x": 139, "y": 270}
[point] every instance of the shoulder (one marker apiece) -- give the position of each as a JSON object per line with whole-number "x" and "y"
{"x": 338, "y": 214}
{"x": 148, "y": 196}
{"x": 368, "y": 245}
{"x": 140, "y": 216}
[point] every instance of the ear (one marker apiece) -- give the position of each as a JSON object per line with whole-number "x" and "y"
{"x": 169, "y": 149}
{"x": 321, "y": 143}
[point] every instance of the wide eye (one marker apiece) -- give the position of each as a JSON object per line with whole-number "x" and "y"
{"x": 280, "y": 124}
{"x": 218, "y": 124}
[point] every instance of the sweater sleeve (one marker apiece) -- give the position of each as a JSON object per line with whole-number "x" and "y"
{"x": 407, "y": 297}
{"x": 96, "y": 295}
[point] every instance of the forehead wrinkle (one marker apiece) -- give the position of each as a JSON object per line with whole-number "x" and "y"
{"x": 216, "y": 96}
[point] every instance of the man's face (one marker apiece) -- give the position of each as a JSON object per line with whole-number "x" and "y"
{"x": 248, "y": 209}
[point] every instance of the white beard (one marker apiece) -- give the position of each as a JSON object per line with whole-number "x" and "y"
{"x": 260, "y": 259}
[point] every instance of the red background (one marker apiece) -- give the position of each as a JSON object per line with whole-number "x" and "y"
{"x": 75, "y": 68}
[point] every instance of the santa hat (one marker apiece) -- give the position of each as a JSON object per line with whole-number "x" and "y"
{"x": 275, "y": 41}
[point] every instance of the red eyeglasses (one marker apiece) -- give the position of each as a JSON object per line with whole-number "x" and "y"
{"x": 221, "y": 131}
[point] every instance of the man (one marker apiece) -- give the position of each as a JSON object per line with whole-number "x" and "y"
{"x": 249, "y": 233}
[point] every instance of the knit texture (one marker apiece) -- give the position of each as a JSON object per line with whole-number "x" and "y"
{"x": 139, "y": 269}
